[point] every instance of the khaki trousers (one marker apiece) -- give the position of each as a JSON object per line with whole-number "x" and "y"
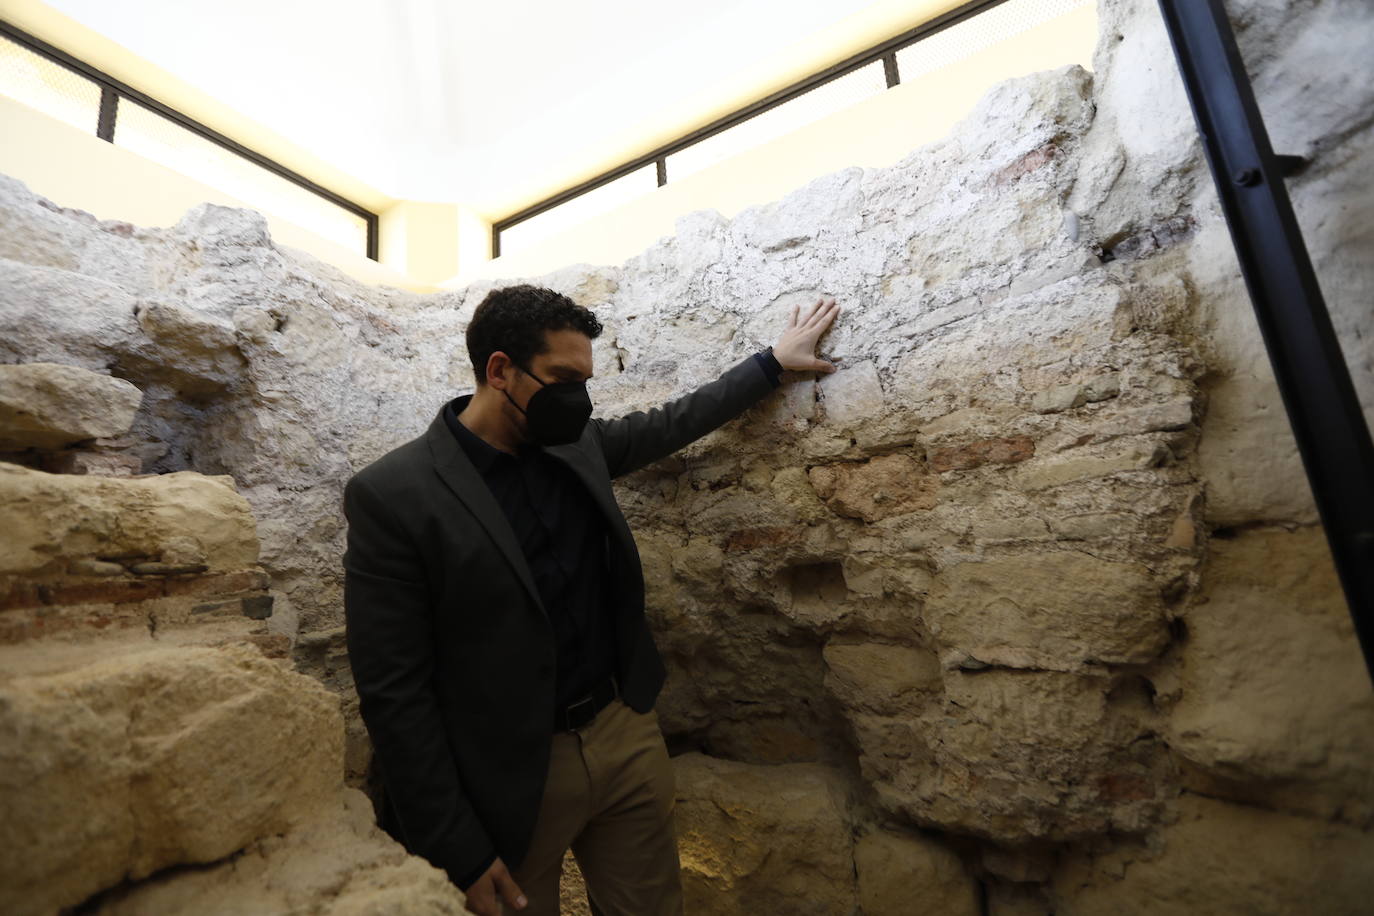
{"x": 610, "y": 798}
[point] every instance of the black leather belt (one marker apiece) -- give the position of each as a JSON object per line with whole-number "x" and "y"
{"x": 581, "y": 713}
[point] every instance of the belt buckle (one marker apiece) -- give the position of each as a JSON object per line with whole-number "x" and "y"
{"x": 574, "y": 723}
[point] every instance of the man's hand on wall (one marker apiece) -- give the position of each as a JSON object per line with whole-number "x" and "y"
{"x": 485, "y": 897}
{"x": 796, "y": 348}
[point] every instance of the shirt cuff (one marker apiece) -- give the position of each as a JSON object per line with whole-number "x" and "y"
{"x": 770, "y": 366}
{"x": 466, "y": 881}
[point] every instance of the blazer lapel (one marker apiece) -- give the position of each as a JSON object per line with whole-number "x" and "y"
{"x": 597, "y": 483}
{"x": 458, "y": 474}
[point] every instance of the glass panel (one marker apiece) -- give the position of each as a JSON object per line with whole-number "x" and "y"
{"x": 168, "y": 143}
{"x": 580, "y": 209}
{"x": 824, "y": 100}
{"x": 979, "y": 33}
{"x": 34, "y": 80}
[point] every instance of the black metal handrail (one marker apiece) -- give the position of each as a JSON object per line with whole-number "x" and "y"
{"x": 112, "y": 90}
{"x": 1313, "y": 378}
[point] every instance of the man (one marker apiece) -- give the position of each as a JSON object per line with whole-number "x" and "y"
{"x": 495, "y": 611}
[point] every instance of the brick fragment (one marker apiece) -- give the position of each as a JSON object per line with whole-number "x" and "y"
{"x": 230, "y": 583}
{"x": 983, "y": 451}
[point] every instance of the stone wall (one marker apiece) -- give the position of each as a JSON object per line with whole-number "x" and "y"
{"x": 1024, "y": 610}
{"x": 157, "y": 752}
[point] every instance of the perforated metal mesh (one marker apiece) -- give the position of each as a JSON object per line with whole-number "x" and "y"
{"x": 836, "y": 95}
{"x": 35, "y": 81}
{"x": 580, "y": 209}
{"x": 979, "y": 33}
{"x": 151, "y": 135}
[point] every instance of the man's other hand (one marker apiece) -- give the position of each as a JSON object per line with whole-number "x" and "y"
{"x": 494, "y": 887}
{"x": 796, "y": 348}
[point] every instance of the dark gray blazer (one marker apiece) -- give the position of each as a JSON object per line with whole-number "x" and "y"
{"x": 451, "y": 648}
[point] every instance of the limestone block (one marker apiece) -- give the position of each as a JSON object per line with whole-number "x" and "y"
{"x": 733, "y": 513}
{"x": 883, "y": 679}
{"x": 1220, "y": 859}
{"x": 48, "y": 405}
{"x": 60, "y": 316}
{"x": 126, "y": 766}
{"x": 1248, "y": 455}
{"x": 968, "y": 364}
{"x": 1176, "y": 413}
{"x": 852, "y": 395}
{"x": 1057, "y": 610}
{"x": 908, "y": 874}
{"x": 758, "y": 839}
{"x": 876, "y": 489}
{"x": 799, "y": 216}
{"x": 52, "y": 519}
{"x": 1013, "y": 756}
{"x": 1059, "y": 398}
{"x": 1084, "y": 464}
{"x": 1275, "y": 704}
{"x": 335, "y": 863}
{"x": 196, "y": 351}
{"x": 792, "y": 486}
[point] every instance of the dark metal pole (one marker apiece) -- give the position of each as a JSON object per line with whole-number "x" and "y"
{"x": 890, "y": 69}
{"x": 1312, "y": 375}
{"x": 109, "y": 110}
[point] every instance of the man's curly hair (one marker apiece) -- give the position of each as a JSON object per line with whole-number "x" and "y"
{"x": 514, "y": 319}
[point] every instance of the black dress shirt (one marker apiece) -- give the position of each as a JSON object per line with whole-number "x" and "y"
{"x": 563, "y": 537}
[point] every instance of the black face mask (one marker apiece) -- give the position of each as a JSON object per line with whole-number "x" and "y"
{"x": 556, "y": 414}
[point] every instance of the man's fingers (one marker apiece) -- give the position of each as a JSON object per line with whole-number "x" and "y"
{"x": 481, "y": 899}
{"x": 821, "y": 315}
{"x": 824, "y": 313}
{"x": 510, "y": 891}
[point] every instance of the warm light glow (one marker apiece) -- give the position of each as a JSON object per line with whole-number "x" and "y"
{"x": 150, "y": 134}
{"x": 836, "y": 95}
{"x": 52, "y": 89}
{"x": 490, "y": 105}
{"x": 527, "y": 233}
{"x": 961, "y": 41}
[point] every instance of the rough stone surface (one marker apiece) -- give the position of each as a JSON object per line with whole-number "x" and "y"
{"x": 185, "y": 519}
{"x": 874, "y": 490}
{"x": 901, "y": 874}
{"x": 335, "y": 863}
{"x": 120, "y": 768}
{"x": 47, "y": 405}
{"x": 731, "y": 817}
{"x": 97, "y": 463}
{"x": 1273, "y": 702}
{"x": 1253, "y": 861}
{"x": 1047, "y": 610}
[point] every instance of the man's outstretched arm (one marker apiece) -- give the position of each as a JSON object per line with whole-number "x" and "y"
{"x": 643, "y": 437}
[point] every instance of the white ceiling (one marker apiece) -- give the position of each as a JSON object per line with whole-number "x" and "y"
{"x": 481, "y": 103}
